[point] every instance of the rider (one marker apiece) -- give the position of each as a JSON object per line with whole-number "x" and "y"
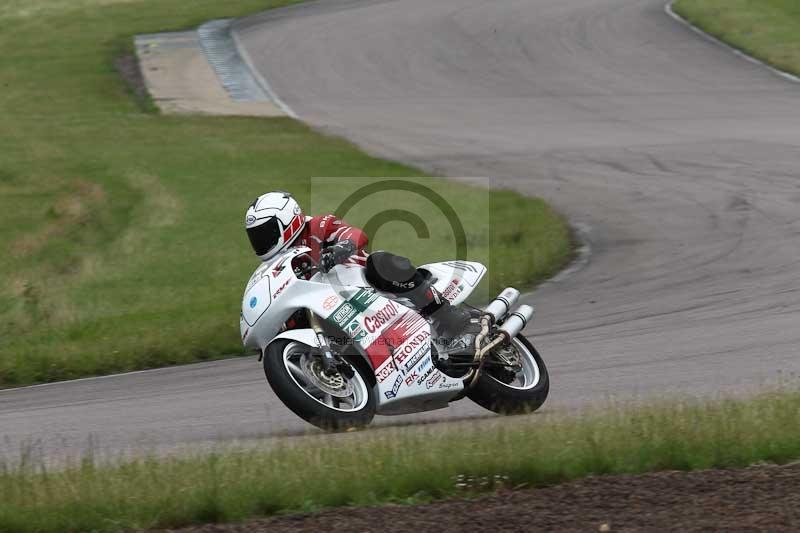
{"x": 275, "y": 221}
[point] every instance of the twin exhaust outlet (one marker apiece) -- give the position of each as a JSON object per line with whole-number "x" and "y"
{"x": 500, "y": 310}
{"x": 511, "y": 324}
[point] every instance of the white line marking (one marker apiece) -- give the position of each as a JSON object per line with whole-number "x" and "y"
{"x": 747, "y": 57}
{"x": 259, "y": 78}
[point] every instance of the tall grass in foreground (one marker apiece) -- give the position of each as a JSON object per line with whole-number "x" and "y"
{"x": 400, "y": 465}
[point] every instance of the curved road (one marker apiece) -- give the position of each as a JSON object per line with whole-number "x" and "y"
{"x": 683, "y": 160}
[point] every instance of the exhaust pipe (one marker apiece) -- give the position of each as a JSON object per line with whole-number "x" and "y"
{"x": 501, "y": 305}
{"x": 514, "y": 324}
{"x": 517, "y": 321}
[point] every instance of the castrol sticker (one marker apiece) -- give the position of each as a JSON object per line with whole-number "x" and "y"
{"x": 382, "y": 317}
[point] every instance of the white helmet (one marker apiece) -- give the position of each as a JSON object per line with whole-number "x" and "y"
{"x": 273, "y": 222}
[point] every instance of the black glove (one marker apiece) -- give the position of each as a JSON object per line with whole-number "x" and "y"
{"x": 335, "y": 254}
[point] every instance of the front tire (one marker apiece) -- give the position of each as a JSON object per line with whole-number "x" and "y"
{"x": 335, "y": 403}
{"x": 511, "y": 393}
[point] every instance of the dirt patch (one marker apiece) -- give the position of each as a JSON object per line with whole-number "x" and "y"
{"x": 70, "y": 211}
{"x": 762, "y": 498}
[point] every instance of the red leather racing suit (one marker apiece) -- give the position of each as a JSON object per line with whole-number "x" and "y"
{"x": 326, "y": 230}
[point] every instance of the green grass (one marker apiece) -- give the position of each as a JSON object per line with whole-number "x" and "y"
{"x": 121, "y": 229}
{"x": 766, "y": 29}
{"x": 402, "y": 465}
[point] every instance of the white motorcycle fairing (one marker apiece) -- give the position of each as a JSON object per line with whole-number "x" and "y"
{"x": 456, "y": 279}
{"x": 391, "y": 337}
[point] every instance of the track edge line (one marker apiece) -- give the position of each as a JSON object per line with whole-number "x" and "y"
{"x": 736, "y": 51}
{"x": 265, "y": 86}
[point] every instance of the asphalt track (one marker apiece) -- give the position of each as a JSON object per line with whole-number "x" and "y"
{"x": 682, "y": 159}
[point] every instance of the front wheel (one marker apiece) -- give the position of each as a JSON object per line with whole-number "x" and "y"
{"x": 338, "y": 402}
{"x": 520, "y": 387}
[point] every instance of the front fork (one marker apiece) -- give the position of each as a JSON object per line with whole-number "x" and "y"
{"x": 331, "y": 364}
{"x": 328, "y": 359}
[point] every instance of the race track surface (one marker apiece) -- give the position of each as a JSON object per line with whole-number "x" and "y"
{"x": 682, "y": 159}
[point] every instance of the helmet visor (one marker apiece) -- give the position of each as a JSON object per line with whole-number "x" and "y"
{"x": 265, "y": 237}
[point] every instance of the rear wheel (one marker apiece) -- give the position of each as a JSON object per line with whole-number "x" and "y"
{"x": 520, "y": 387}
{"x": 294, "y": 371}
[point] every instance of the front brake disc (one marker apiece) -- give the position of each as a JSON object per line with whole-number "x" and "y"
{"x": 335, "y": 385}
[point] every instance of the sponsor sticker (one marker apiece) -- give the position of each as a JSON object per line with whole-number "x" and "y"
{"x": 410, "y": 378}
{"x": 348, "y": 310}
{"x": 363, "y": 299}
{"x": 453, "y": 289}
{"x": 382, "y": 317}
{"x": 404, "y": 285}
{"x": 253, "y": 302}
{"x": 396, "y": 387}
{"x": 280, "y": 289}
{"x": 425, "y": 375}
{"x": 384, "y": 341}
{"x": 355, "y": 331}
{"x": 331, "y": 302}
{"x": 414, "y": 360}
{"x": 344, "y": 314}
{"x": 385, "y": 371}
{"x": 433, "y": 380}
{"x": 425, "y": 365}
{"x": 413, "y": 349}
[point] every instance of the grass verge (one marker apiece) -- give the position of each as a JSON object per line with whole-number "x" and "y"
{"x": 400, "y": 465}
{"x": 121, "y": 229}
{"x": 766, "y": 29}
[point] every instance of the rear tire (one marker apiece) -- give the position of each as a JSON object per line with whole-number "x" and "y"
{"x": 302, "y": 401}
{"x": 493, "y": 394}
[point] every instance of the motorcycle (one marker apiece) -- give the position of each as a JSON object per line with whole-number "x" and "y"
{"x": 336, "y": 351}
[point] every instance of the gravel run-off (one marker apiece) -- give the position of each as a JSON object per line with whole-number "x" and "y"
{"x": 758, "y": 498}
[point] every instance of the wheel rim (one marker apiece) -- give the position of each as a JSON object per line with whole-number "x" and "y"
{"x": 528, "y": 375}
{"x": 304, "y": 366}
